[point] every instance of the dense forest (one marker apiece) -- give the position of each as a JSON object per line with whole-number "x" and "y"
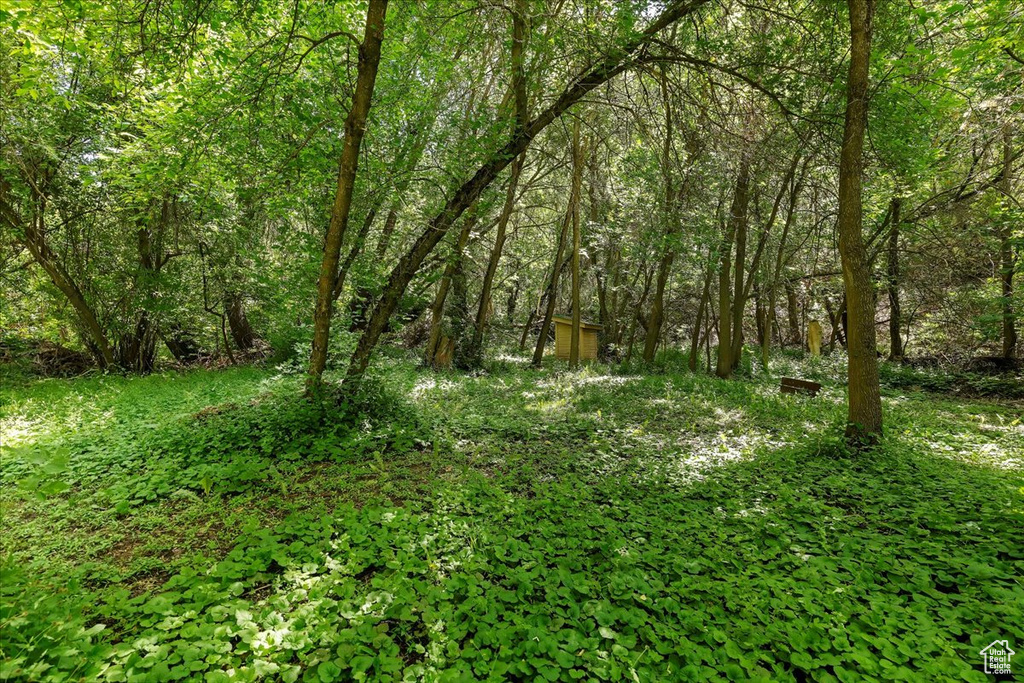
{"x": 443, "y": 339}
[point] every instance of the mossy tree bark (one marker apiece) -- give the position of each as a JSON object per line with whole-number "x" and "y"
{"x": 864, "y": 420}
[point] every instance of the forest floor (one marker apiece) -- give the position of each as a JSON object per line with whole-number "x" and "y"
{"x": 516, "y": 524}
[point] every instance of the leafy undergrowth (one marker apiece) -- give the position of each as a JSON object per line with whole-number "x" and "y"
{"x": 968, "y": 384}
{"x": 511, "y": 526}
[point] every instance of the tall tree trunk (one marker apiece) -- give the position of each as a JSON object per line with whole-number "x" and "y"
{"x": 577, "y": 182}
{"x": 1007, "y": 257}
{"x": 563, "y": 237}
{"x": 637, "y": 318}
{"x": 893, "y": 282}
{"x": 354, "y": 251}
{"x": 864, "y": 421}
{"x": 607, "y": 274}
{"x": 355, "y": 127}
{"x": 475, "y": 351}
{"x": 608, "y": 284}
{"x": 780, "y": 260}
{"x": 135, "y": 350}
{"x": 519, "y": 32}
{"x": 238, "y": 321}
{"x": 456, "y": 316}
{"x": 672, "y": 224}
{"x": 613, "y": 64}
{"x": 512, "y": 302}
{"x": 704, "y": 296}
{"x": 793, "y": 313}
{"x": 360, "y": 301}
{"x": 730, "y": 324}
{"x": 739, "y": 300}
{"x": 440, "y": 346}
{"x": 363, "y": 296}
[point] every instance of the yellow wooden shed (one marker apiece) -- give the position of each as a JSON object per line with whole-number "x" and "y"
{"x": 563, "y": 338}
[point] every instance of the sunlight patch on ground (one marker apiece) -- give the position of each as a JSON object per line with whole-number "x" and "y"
{"x": 583, "y": 378}
{"x": 557, "y": 406}
{"x": 679, "y": 461}
{"x": 17, "y": 430}
{"x": 965, "y": 447}
{"x": 513, "y": 360}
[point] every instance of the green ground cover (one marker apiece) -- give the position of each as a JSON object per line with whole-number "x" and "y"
{"x": 515, "y": 525}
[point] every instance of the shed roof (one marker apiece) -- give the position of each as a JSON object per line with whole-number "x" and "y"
{"x": 584, "y": 325}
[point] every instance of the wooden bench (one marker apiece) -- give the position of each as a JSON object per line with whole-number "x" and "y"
{"x": 799, "y": 386}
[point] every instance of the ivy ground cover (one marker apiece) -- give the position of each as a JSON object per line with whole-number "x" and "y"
{"x": 515, "y": 525}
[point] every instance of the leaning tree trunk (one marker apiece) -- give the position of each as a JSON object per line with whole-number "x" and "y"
{"x": 181, "y": 343}
{"x": 41, "y": 252}
{"x": 355, "y": 127}
{"x": 613, "y": 64}
{"x": 864, "y": 420}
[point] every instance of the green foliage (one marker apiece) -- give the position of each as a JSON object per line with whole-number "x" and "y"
{"x": 551, "y": 525}
{"x": 953, "y": 382}
{"x": 160, "y": 446}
